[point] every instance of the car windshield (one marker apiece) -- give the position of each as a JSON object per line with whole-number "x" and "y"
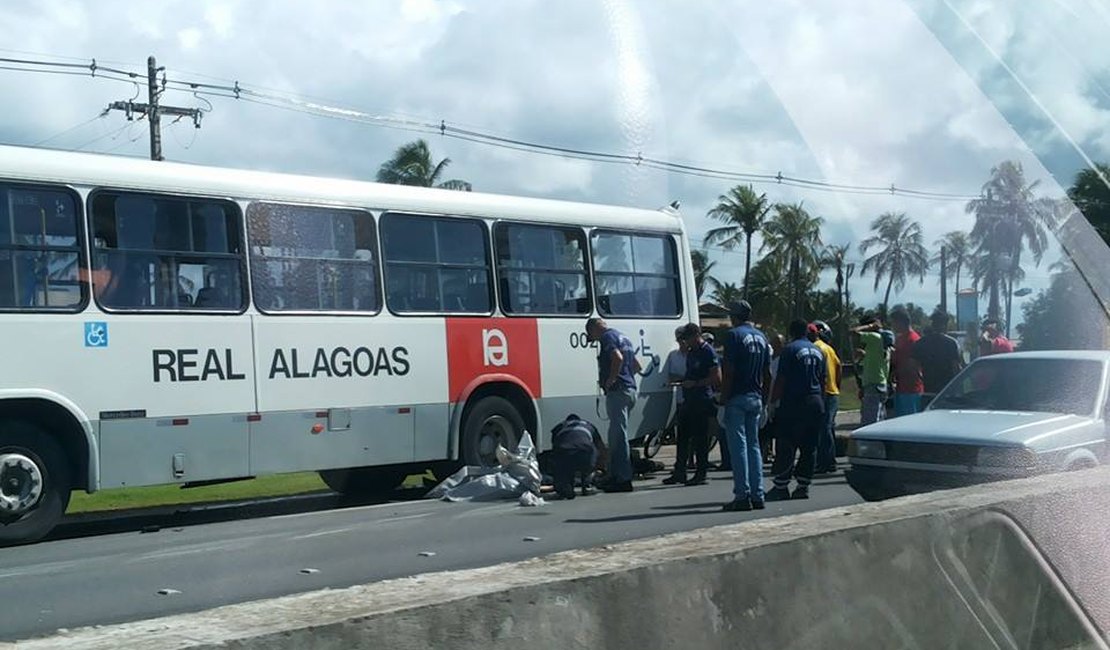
{"x": 1015, "y": 384}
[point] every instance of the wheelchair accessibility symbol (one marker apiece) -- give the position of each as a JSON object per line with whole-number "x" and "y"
{"x": 96, "y": 334}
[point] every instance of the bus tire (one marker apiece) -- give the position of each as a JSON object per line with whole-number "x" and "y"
{"x": 364, "y": 481}
{"x": 492, "y": 421}
{"x": 35, "y": 483}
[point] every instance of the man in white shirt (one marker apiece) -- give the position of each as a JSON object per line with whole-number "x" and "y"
{"x": 675, "y": 370}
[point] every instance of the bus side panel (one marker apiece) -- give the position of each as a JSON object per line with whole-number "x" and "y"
{"x": 379, "y": 369}
{"x": 347, "y": 437}
{"x": 570, "y": 372}
{"x": 165, "y": 390}
{"x": 156, "y": 451}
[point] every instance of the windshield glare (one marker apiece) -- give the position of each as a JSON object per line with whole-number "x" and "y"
{"x": 1044, "y": 385}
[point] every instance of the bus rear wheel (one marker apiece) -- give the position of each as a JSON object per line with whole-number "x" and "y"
{"x": 364, "y": 481}
{"x": 35, "y": 483}
{"x": 492, "y": 421}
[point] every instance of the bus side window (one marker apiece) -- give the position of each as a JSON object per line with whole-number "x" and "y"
{"x": 156, "y": 252}
{"x": 436, "y": 264}
{"x": 542, "y": 269}
{"x": 40, "y": 255}
{"x": 306, "y": 258}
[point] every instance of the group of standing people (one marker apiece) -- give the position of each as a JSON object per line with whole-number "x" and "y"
{"x": 787, "y": 391}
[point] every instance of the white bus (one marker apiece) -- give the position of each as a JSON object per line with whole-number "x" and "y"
{"x": 171, "y": 323}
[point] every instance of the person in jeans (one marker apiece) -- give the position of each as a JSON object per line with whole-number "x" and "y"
{"x": 821, "y": 335}
{"x": 746, "y": 380}
{"x": 675, "y": 370}
{"x": 800, "y": 388}
{"x": 908, "y": 383}
{"x": 616, "y": 374}
{"x": 876, "y": 369}
{"x": 703, "y": 375}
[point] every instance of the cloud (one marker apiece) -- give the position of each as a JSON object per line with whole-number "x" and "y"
{"x": 891, "y": 92}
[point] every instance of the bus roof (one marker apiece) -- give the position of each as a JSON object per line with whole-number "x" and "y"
{"x": 122, "y": 172}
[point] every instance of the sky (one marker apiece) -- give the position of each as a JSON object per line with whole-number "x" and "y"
{"x": 922, "y": 94}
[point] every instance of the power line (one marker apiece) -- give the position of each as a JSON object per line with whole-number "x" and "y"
{"x": 70, "y": 129}
{"x": 291, "y": 101}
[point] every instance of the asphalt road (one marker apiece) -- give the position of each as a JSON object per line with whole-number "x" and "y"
{"x": 192, "y": 563}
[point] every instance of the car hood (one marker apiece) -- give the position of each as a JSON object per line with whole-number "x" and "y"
{"x": 975, "y": 427}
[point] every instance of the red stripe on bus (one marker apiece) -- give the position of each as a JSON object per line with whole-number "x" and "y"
{"x": 321, "y": 414}
{"x": 178, "y": 422}
{"x": 254, "y": 417}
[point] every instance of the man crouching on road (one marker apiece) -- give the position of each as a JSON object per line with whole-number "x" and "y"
{"x": 616, "y": 369}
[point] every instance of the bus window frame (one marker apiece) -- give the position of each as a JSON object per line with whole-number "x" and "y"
{"x": 378, "y": 263}
{"x": 244, "y": 270}
{"x": 84, "y": 280}
{"x": 675, "y": 250}
{"x": 587, "y": 269}
{"x": 491, "y": 276}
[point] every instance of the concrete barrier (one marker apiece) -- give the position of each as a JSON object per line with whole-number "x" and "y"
{"x": 1021, "y": 564}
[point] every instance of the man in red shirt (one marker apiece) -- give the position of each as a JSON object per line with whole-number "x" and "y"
{"x": 908, "y": 382}
{"x": 992, "y": 341}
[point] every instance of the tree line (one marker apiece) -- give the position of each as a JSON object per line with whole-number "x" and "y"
{"x": 1010, "y": 227}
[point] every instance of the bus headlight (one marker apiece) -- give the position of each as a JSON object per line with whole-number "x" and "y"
{"x": 1014, "y": 457}
{"x": 867, "y": 449}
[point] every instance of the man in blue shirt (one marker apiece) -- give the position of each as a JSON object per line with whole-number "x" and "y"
{"x": 746, "y": 380}
{"x": 799, "y": 388}
{"x": 616, "y": 374}
{"x": 703, "y": 375}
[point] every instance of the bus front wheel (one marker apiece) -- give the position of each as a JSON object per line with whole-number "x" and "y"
{"x": 492, "y": 421}
{"x": 35, "y": 483}
{"x": 364, "y": 481}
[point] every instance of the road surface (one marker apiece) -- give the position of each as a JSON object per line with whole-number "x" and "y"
{"x": 123, "y": 576}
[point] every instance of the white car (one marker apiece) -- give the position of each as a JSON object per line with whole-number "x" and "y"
{"x": 1004, "y": 416}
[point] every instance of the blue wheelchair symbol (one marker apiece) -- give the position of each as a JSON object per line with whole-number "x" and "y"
{"x": 96, "y": 334}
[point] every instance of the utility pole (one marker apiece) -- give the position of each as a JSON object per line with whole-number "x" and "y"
{"x": 943, "y": 279}
{"x": 154, "y": 110}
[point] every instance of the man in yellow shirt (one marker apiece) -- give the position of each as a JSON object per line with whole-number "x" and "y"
{"x": 820, "y": 334}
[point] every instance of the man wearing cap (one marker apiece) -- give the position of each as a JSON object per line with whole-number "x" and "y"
{"x": 616, "y": 368}
{"x": 821, "y": 336}
{"x": 746, "y": 382}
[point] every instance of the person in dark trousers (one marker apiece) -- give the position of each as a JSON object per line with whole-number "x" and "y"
{"x": 746, "y": 380}
{"x": 703, "y": 376}
{"x": 616, "y": 374}
{"x": 573, "y": 454}
{"x": 938, "y": 354}
{"x": 799, "y": 388}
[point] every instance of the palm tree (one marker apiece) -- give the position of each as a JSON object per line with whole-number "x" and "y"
{"x": 702, "y": 268}
{"x": 726, "y": 293}
{"x": 412, "y": 164}
{"x": 836, "y": 258}
{"x": 1008, "y": 217}
{"x": 794, "y": 237}
{"x": 955, "y": 255}
{"x": 900, "y": 252}
{"x": 744, "y": 211}
{"x": 769, "y": 292}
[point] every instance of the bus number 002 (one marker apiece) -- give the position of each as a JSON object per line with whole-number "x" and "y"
{"x": 580, "y": 340}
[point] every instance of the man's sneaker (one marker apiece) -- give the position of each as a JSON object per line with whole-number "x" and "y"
{"x": 800, "y": 493}
{"x": 621, "y": 486}
{"x": 777, "y": 494}
{"x": 737, "y": 505}
{"x": 674, "y": 480}
{"x": 757, "y": 504}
